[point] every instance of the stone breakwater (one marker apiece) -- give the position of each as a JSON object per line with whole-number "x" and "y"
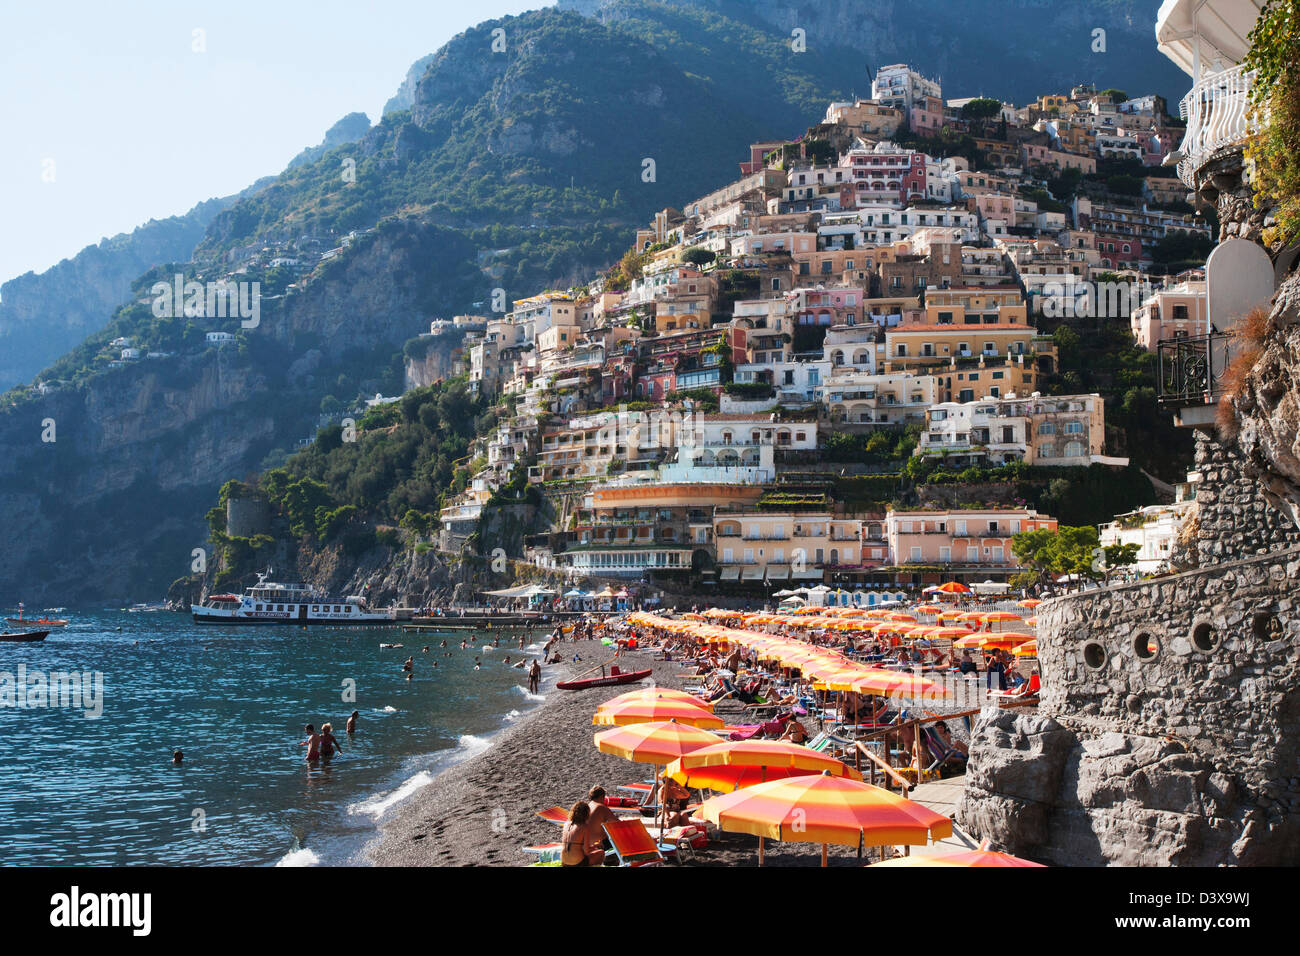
{"x": 1167, "y": 732}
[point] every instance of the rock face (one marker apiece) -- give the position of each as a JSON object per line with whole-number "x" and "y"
{"x": 1167, "y": 730}
{"x": 1264, "y": 410}
{"x": 43, "y": 316}
{"x": 1035, "y": 42}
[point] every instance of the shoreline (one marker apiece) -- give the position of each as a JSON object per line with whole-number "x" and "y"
{"x": 482, "y": 809}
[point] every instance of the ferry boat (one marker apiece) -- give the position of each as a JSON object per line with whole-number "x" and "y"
{"x": 268, "y": 602}
{"x": 46, "y": 622}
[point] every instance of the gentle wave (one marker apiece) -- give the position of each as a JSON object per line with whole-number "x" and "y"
{"x": 299, "y": 857}
{"x": 529, "y": 695}
{"x": 378, "y": 805}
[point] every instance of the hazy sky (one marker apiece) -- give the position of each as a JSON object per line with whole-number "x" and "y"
{"x": 112, "y": 101}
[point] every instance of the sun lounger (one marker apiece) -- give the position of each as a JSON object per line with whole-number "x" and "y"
{"x": 1029, "y": 689}
{"x": 632, "y": 845}
{"x": 546, "y": 852}
{"x": 554, "y": 815}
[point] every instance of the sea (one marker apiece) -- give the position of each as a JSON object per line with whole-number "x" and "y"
{"x": 84, "y": 788}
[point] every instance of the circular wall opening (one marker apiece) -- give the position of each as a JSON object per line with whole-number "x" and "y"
{"x": 1204, "y": 637}
{"x": 1264, "y": 625}
{"x": 1094, "y": 655}
{"x": 1146, "y": 646}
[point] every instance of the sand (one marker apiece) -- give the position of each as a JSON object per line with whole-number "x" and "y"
{"x": 482, "y": 811}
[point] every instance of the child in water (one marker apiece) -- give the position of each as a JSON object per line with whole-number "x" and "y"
{"x": 312, "y": 743}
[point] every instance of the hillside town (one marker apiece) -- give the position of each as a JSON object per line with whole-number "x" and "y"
{"x": 672, "y": 410}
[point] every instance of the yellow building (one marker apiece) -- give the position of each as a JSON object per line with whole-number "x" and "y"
{"x": 777, "y": 547}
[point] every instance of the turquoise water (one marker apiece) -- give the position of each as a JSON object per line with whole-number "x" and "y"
{"x": 103, "y": 791}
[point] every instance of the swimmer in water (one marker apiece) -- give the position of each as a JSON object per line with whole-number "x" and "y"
{"x": 425, "y": 650}
{"x": 328, "y": 742}
{"x": 409, "y": 665}
{"x": 477, "y": 665}
{"x": 177, "y": 757}
{"x": 312, "y": 743}
{"x": 351, "y": 726}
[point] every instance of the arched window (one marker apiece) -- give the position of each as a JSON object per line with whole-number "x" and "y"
{"x": 1074, "y": 449}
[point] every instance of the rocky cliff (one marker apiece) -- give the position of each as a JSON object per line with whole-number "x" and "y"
{"x": 1039, "y": 45}
{"x": 42, "y": 316}
{"x": 113, "y": 506}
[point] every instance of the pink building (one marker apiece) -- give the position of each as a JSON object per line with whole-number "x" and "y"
{"x": 1175, "y": 312}
{"x": 960, "y": 542}
{"x": 885, "y": 174}
{"x": 827, "y": 307}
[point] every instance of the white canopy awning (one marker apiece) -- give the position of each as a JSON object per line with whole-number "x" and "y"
{"x": 1211, "y": 32}
{"x": 731, "y": 574}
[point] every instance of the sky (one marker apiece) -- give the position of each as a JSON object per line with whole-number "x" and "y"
{"x": 112, "y": 114}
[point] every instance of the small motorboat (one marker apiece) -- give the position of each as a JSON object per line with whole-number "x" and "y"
{"x": 615, "y": 677}
{"x": 23, "y": 637}
{"x": 39, "y": 622}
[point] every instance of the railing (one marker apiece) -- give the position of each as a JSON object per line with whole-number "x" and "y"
{"x": 1191, "y": 369}
{"x": 1216, "y": 111}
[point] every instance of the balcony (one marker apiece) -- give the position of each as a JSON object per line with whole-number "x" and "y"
{"x": 1216, "y": 111}
{"x": 1191, "y": 370}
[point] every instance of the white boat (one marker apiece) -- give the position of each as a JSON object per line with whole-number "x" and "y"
{"x": 268, "y": 602}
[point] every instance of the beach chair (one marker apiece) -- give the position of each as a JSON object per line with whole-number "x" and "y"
{"x": 1028, "y": 690}
{"x": 632, "y": 845}
{"x": 940, "y": 754}
{"x": 546, "y": 853}
{"x": 557, "y": 815}
{"x": 686, "y": 840}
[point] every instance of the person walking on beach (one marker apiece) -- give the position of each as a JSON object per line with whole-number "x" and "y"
{"x": 328, "y": 742}
{"x": 312, "y": 743}
{"x": 351, "y": 726}
{"x": 534, "y": 677}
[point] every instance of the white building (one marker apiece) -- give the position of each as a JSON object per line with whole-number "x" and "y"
{"x": 901, "y": 87}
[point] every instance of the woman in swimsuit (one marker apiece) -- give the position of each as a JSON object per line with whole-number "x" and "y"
{"x": 577, "y": 846}
{"x": 328, "y": 742}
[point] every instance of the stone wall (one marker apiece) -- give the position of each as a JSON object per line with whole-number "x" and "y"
{"x": 1235, "y": 520}
{"x": 1167, "y": 731}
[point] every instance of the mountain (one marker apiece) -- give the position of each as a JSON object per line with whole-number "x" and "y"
{"x": 347, "y": 130}
{"x": 518, "y": 170}
{"x": 1014, "y": 50}
{"x": 42, "y": 316}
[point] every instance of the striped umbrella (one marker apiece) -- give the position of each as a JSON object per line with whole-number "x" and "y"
{"x": 825, "y": 809}
{"x": 657, "y": 693}
{"x": 649, "y": 711}
{"x": 743, "y": 763}
{"x": 980, "y": 857}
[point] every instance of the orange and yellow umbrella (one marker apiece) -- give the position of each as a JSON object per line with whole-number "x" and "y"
{"x": 954, "y": 587}
{"x": 825, "y": 809}
{"x": 1027, "y": 649}
{"x": 1030, "y": 603}
{"x": 742, "y": 763}
{"x": 657, "y": 693}
{"x": 660, "y": 742}
{"x": 967, "y": 858}
{"x": 659, "y": 709}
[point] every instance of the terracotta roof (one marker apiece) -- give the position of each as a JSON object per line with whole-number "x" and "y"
{"x": 959, "y": 328}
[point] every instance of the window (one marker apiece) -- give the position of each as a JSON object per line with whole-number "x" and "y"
{"x": 1046, "y": 428}
{"x": 1074, "y": 428}
{"x": 945, "y": 555}
{"x": 916, "y": 554}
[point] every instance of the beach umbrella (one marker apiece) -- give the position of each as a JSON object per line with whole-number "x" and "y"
{"x": 825, "y": 809}
{"x": 1030, "y": 603}
{"x": 741, "y": 763}
{"x": 659, "y": 742}
{"x": 1001, "y": 617}
{"x": 1027, "y": 649}
{"x": 1031, "y": 621}
{"x": 929, "y": 609}
{"x": 652, "y": 711}
{"x": 898, "y": 684}
{"x": 657, "y": 693}
{"x": 980, "y": 857}
{"x": 954, "y": 587}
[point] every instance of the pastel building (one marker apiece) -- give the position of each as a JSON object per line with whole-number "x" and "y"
{"x": 974, "y": 544}
{"x": 1175, "y": 312}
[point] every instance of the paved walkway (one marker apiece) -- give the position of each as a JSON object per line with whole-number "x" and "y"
{"x": 942, "y": 796}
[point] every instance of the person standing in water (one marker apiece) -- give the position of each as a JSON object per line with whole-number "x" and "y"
{"x": 351, "y": 726}
{"x": 534, "y": 677}
{"x": 328, "y": 742}
{"x": 312, "y": 743}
